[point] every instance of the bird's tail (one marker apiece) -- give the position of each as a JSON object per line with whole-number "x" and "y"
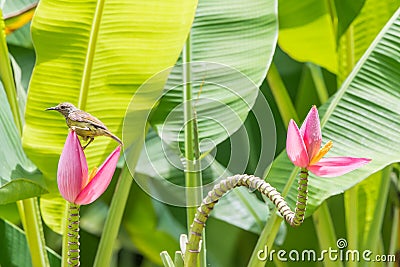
{"x": 114, "y": 137}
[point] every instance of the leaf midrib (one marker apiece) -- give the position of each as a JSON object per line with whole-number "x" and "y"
{"x": 87, "y": 69}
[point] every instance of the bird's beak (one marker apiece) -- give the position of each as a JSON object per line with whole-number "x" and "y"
{"x": 52, "y": 108}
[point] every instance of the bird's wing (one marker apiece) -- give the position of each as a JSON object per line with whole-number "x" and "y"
{"x": 82, "y": 116}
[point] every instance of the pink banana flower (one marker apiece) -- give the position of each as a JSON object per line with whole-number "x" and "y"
{"x": 304, "y": 149}
{"x": 74, "y": 182}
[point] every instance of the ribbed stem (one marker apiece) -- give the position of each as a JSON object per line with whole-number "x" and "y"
{"x": 73, "y": 235}
{"x": 301, "y": 199}
{"x": 295, "y": 218}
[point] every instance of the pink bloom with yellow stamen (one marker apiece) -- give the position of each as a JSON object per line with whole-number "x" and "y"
{"x": 74, "y": 182}
{"x": 303, "y": 147}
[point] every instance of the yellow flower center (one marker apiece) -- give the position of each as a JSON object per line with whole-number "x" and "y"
{"x": 321, "y": 152}
{"x": 92, "y": 173}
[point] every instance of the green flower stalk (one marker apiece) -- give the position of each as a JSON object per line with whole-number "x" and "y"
{"x": 73, "y": 235}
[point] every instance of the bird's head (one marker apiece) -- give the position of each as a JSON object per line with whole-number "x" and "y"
{"x": 64, "y": 108}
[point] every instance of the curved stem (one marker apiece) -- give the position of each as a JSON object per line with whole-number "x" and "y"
{"x": 293, "y": 218}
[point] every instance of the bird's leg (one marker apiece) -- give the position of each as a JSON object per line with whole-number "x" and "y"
{"x": 91, "y": 140}
{"x": 81, "y": 132}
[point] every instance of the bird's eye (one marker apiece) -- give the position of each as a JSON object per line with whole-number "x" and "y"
{"x": 62, "y": 107}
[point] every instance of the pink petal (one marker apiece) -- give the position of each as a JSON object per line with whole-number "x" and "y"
{"x": 295, "y": 147}
{"x": 72, "y": 168}
{"x": 311, "y": 132}
{"x": 336, "y": 166}
{"x": 100, "y": 181}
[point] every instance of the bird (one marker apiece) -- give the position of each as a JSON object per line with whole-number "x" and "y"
{"x": 84, "y": 124}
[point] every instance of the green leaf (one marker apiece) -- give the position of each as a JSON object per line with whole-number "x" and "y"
{"x": 306, "y": 93}
{"x": 363, "y": 30}
{"x": 25, "y": 59}
{"x": 53, "y": 209}
{"x": 281, "y": 95}
{"x": 93, "y": 217}
{"x": 21, "y": 92}
{"x": 158, "y": 164}
{"x": 14, "y": 250}
{"x": 19, "y": 178}
{"x": 7, "y": 77}
{"x": 135, "y": 40}
{"x": 9, "y": 212}
{"x": 361, "y": 120}
{"x": 307, "y": 33}
{"x": 346, "y": 11}
{"x": 142, "y": 225}
{"x": 231, "y": 50}
{"x": 242, "y": 209}
{"x": 166, "y": 259}
{"x": 371, "y": 197}
{"x": 17, "y": 16}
